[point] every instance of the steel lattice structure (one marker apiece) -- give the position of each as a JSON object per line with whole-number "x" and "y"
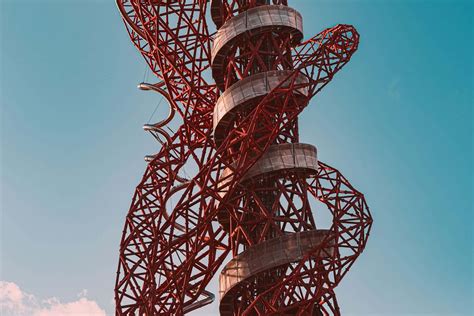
{"x": 252, "y": 194}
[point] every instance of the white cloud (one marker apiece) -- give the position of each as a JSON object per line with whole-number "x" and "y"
{"x": 15, "y": 302}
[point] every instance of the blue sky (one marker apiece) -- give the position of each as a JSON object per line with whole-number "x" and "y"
{"x": 397, "y": 122}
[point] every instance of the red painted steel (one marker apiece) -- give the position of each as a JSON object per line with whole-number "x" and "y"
{"x": 250, "y": 190}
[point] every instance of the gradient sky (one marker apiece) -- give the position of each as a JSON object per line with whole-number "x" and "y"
{"x": 397, "y": 121}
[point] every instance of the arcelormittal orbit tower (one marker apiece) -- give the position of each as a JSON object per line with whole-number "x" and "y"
{"x": 232, "y": 190}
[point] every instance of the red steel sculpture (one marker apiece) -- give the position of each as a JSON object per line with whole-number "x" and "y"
{"x": 247, "y": 208}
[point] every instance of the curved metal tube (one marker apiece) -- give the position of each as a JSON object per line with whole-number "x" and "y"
{"x": 157, "y": 88}
{"x": 152, "y": 128}
{"x": 210, "y": 297}
{"x": 158, "y": 127}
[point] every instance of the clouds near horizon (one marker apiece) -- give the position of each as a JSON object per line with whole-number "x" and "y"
{"x": 15, "y": 302}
